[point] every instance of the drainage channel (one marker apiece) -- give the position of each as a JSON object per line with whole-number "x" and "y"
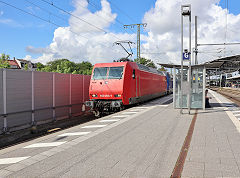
{"x": 177, "y": 171}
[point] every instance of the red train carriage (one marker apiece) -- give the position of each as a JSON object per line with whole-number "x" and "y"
{"x": 115, "y": 85}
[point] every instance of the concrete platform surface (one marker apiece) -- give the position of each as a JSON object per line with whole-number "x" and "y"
{"x": 143, "y": 141}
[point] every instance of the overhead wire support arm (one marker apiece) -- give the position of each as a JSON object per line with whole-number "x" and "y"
{"x": 138, "y": 35}
{"x": 129, "y": 44}
{"x": 218, "y": 44}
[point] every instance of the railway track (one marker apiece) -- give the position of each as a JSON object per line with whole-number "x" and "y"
{"x": 231, "y": 93}
{"x": 21, "y": 136}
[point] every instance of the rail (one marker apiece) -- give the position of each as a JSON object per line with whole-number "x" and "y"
{"x": 230, "y": 93}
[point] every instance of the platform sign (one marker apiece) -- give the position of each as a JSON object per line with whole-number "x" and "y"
{"x": 186, "y": 56}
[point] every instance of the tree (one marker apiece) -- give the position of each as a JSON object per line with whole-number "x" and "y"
{"x": 66, "y": 66}
{"x": 162, "y": 69}
{"x": 146, "y": 62}
{"x": 84, "y": 68}
{"x": 3, "y": 61}
{"x": 40, "y": 66}
{"x": 74, "y": 72}
{"x": 26, "y": 67}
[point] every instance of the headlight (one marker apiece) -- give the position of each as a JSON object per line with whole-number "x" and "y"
{"x": 94, "y": 95}
{"x": 117, "y": 95}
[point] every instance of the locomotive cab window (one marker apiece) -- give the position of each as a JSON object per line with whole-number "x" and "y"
{"x": 115, "y": 72}
{"x": 100, "y": 73}
{"x": 133, "y": 75}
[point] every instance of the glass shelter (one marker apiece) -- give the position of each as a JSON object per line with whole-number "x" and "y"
{"x": 193, "y": 87}
{"x": 193, "y": 91}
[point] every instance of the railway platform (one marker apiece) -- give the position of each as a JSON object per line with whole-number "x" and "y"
{"x": 151, "y": 140}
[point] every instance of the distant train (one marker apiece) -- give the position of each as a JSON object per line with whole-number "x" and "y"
{"x": 116, "y": 85}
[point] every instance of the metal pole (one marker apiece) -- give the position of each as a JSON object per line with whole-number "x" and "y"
{"x": 204, "y": 87}
{"x": 196, "y": 50}
{"x": 83, "y": 93}
{"x": 189, "y": 68}
{"x": 83, "y": 87}
{"x": 220, "y": 84}
{"x": 209, "y": 80}
{"x": 5, "y": 100}
{"x": 70, "y": 95}
{"x": 138, "y": 35}
{"x": 33, "y": 100}
{"x": 174, "y": 87}
{"x": 226, "y": 80}
{"x": 189, "y": 88}
{"x": 181, "y": 97}
{"x": 54, "y": 104}
{"x": 138, "y": 42}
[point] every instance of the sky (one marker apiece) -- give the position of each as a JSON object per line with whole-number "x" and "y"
{"x": 85, "y": 30}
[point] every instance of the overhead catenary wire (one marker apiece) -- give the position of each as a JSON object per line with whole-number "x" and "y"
{"x": 146, "y": 51}
{"x": 130, "y": 18}
{"x": 75, "y": 16}
{"x": 211, "y": 55}
{"x": 218, "y": 44}
{"x": 61, "y": 18}
{"x": 116, "y": 8}
{"x": 43, "y": 9}
{"x": 219, "y": 55}
{"x": 154, "y": 1}
{"x": 106, "y": 20}
{"x": 95, "y": 6}
{"x": 48, "y": 21}
{"x": 224, "y": 44}
{"x": 118, "y": 21}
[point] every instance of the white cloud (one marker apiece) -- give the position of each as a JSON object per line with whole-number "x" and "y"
{"x": 93, "y": 19}
{"x": 81, "y": 41}
{"x": 98, "y": 47}
{"x": 28, "y": 58}
{"x": 164, "y": 30}
{"x": 162, "y": 39}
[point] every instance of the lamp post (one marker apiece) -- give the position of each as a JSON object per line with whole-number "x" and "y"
{"x": 186, "y": 12}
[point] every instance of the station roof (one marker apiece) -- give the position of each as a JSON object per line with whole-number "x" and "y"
{"x": 230, "y": 63}
{"x": 221, "y": 65}
{"x": 235, "y": 77}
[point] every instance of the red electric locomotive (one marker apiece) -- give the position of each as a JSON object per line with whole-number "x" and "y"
{"x": 116, "y": 85}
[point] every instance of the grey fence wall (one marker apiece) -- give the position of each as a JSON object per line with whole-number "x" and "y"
{"x": 31, "y": 98}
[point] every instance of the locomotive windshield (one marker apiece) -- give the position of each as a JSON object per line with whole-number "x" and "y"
{"x": 107, "y": 72}
{"x": 100, "y": 73}
{"x": 115, "y": 72}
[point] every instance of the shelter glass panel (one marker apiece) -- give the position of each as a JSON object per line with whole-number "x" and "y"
{"x": 177, "y": 91}
{"x": 197, "y": 88}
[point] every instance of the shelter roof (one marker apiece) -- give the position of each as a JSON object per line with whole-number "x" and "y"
{"x": 222, "y": 65}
